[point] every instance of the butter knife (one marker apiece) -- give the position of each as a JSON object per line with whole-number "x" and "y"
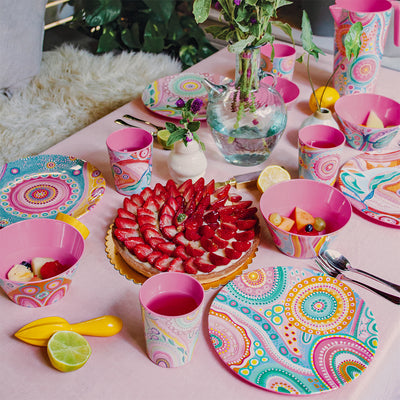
{"x": 241, "y": 181}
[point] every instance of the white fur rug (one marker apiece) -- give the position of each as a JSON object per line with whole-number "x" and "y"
{"x": 73, "y": 89}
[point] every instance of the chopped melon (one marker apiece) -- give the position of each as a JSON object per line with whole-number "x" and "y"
{"x": 286, "y": 224}
{"x": 302, "y": 218}
{"x": 374, "y": 121}
{"x": 38, "y": 262}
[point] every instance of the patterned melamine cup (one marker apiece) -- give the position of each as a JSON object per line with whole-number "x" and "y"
{"x": 320, "y": 148}
{"x": 283, "y": 62}
{"x": 172, "y": 304}
{"x": 130, "y": 151}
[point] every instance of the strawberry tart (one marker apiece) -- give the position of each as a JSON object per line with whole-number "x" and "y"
{"x": 193, "y": 228}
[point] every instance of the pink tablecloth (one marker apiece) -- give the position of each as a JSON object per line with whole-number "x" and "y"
{"x": 119, "y": 367}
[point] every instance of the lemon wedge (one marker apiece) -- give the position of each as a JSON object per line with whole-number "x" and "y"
{"x": 270, "y": 175}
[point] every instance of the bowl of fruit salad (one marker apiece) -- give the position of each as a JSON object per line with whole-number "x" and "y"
{"x": 38, "y": 260}
{"x": 369, "y": 121}
{"x": 304, "y": 216}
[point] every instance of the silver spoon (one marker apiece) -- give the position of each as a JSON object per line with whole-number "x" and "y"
{"x": 159, "y": 128}
{"x": 336, "y": 273}
{"x": 340, "y": 262}
{"x": 122, "y": 122}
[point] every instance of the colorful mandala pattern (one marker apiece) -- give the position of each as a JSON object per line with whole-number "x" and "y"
{"x": 304, "y": 334}
{"x": 359, "y": 75}
{"x": 162, "y": 94}
{"x": 42, "y": 186}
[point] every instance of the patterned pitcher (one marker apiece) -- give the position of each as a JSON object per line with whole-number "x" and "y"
{"x": 359, "y": 75}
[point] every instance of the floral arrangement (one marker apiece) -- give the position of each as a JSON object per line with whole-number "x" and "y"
{"x": 187, "y": 132}
{"x": 352, "y": 44}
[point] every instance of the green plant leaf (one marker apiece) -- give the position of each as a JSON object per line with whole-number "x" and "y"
{"x": 238, "y": 47}
{"x": 101, "y": 12}
{"x": 171, "y": 127}
{"x": 163, "y": 9}
{"x": 285, "y": 28}
{"x": 193, "y": 126}
{"x": 130, "y": 37}
{"x": 188, "y": 55}
{"x": 175, "y": 136}
{"x": 201, "y": 9}
{"x": 107, "y": 41}
{"x": 352, "y": 40}
{"x": 306, "y": 37}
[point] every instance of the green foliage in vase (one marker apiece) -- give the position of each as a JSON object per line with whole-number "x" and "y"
{"x": 352, "y": 44}
{"x": 152, "y": 26}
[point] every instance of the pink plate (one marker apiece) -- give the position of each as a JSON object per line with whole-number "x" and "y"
{"x": 371, "y": 182}
{"x": 164, "y": 93}
{"x": 292, "y": 330}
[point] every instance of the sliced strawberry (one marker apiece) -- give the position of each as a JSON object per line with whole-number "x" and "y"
{"x": 180, "y": 252}
{"x": 126, "y": 223}
{"x": 176, "y": 265}
{"x": 217, "y": 260}
{"x": 169, "y": 231}
{"x": 211, "y": 216}
{"x": 210, "y": 187}
{"x": 180, "y": 216}
{"x": 206, "y": 231}
{"x": 193, "y": 249}
{"x": 244, "y": 236}
{"x": 228, "y": 218}
{"x": 225, "y": 233}
{"x": 146, "y": 193}
{"x": 228, "y": 226}
{"x": 180, "y": 239}
{"x": 166, "y": 220}
{"x": 142, "y": 251}
{"x": 208, "y": 245}
{"x": 235, "y": 198}
{"x": 159, "y": 200}
{"x": 123, "y": 234}
{"x": 151, "y": 204}
{"x": 172, "y": 189}
{"x": 194, "y": 222}
{"x": 137, "y": 199}
{"x": 144, "y": 211}
{"x": 203, "y": 265}
{"x": 246, "y": 212}
{"x": 185, "y": 186}
{"x": 167, "y": 209}
{"x": 162, "y": 263}
{"x": 199, "y": 185}
{"x": 217, "y": 204}
{"x": 220, "y": 242}
{"x": 191, "y": 206}
{"x": 235, "y": 207}
{"x": 191, "y": 234}
{"x": 159, "y": 190}
{"x": 146, "y": 220}
{"x": 126, "y": 214}
{"x": 222, "y": 192}
{"x": 189, "y": 266}
{"x": 246, "y": 224}
{"x": 144, "y": 227}
{"x": 154, "y": 241}
{"x": 213, "y": 225}
{"x": 130, "y": 206}
{"x": 232, "y": 254}
{"x": 241, "y": 246}
{"x": 132, "y": 242}
{"x": 188, "y": 196}
{"x": 166, "y": 248}
{"x": 52, "y": 268}
{"x": 152, "y": 257}
{"x": 203, "y": 204}
{"x": 151, "y": 233}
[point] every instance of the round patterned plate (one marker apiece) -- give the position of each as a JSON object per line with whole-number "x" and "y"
{"x": 371, "y": 182}
{"x": 166, "y": 91}
{"x": 292, "y": 331}
{"x": 45, "y": 185}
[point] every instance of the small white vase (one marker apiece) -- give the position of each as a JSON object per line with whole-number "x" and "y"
{"x": 187, "y": 162}
{"x": 320, "y": 117}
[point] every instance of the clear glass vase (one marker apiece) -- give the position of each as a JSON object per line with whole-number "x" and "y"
{"x": 247, "y": 117}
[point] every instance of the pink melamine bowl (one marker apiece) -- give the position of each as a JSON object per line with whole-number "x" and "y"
{"x": 353, "y": 110}
{"x": 287, "y": 89}
{"x": 320, "y": 200}
{"x": 40, "y": 237}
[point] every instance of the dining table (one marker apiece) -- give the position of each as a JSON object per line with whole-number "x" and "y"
{"x": 119, "y": 367}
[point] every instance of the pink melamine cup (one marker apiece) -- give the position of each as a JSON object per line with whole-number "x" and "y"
{"x": 130, "y": 151}
{"x": 172, "y": 304}
{"x": 283, "y": 62}
{"x": 320, "y": 149}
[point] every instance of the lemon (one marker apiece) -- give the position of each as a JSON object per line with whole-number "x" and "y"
{"x": 162, "y": 137}
{"x": 331, "y": 95}
{"x": 271, "y": 175}
{"x": 68, "y": 350}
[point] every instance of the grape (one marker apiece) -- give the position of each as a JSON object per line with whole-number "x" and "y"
{"x": 319, "y": 224}
{"x": 275, "y": 219}
{"x": 308, "y": 228}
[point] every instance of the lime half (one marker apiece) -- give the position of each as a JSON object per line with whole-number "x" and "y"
{"x": 68, "y": 350}
{"x": 162, "y": 137}
{"x": 270, "y": 175}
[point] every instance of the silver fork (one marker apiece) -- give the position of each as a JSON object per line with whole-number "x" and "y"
{"x": 335, "y": 273}
{"x": 122, "y": 122}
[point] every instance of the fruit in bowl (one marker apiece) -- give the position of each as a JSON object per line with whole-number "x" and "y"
{"x": 30, "y": 241}
{"x": 299, "y": 203}
{"x": 369, "y": 121}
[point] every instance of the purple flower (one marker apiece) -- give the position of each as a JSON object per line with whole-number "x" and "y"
{"x": 218, "y": 6}
{"x": 253, "y": 20}
{"x": 189, "y": 137}
{"x": 196, "y": 105}
{"x": 180, "y": 103}
{"x": 237, "y": 2}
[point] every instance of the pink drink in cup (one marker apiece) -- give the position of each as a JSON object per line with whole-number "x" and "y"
{"x": 130, "y": 152}
{"x": 172, "y": 304}
{"x": 320, "y": 148}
